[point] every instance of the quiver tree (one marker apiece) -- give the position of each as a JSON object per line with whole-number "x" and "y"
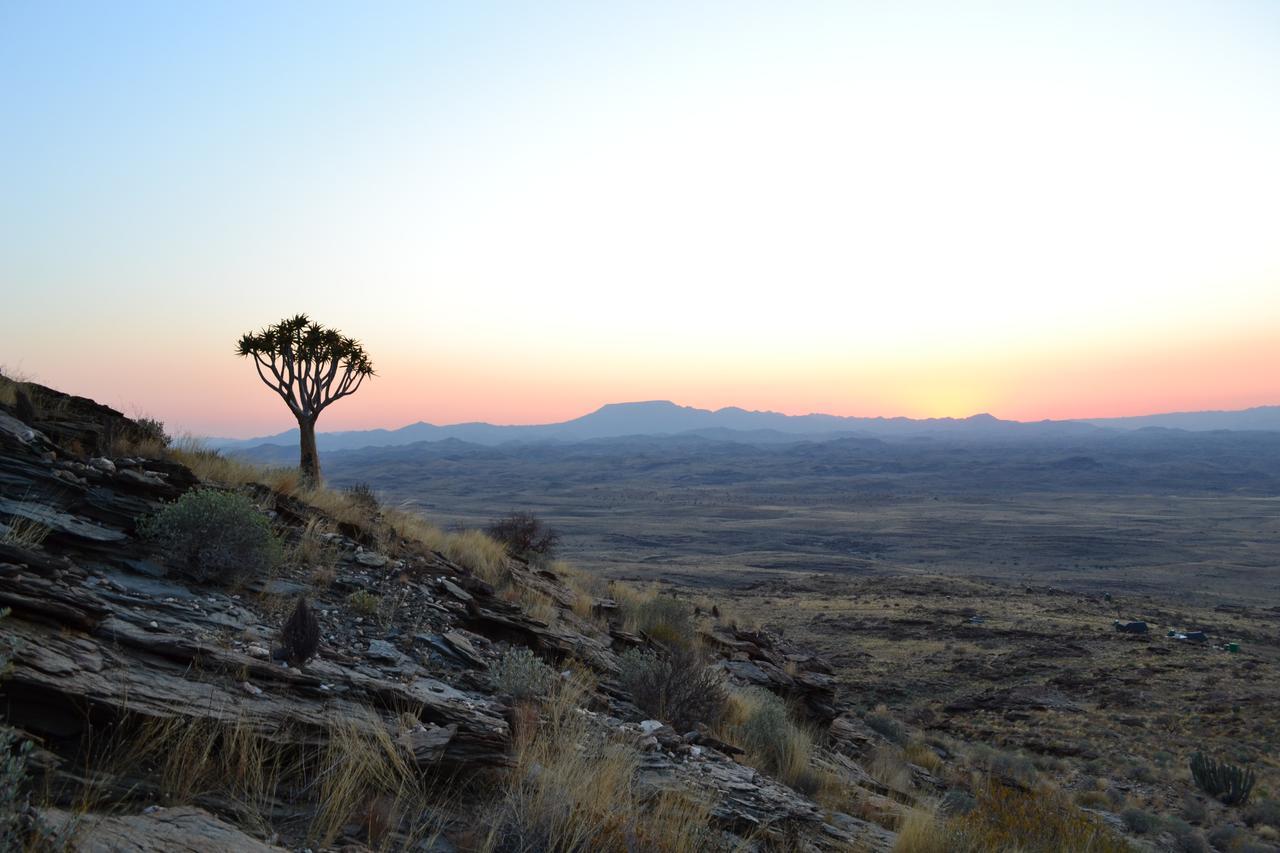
{"x": 310, "y": 367}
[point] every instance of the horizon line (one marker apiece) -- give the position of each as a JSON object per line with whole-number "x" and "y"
{"x": 603, "y": 406}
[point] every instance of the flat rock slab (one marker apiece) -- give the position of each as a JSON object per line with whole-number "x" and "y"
{"x": 176, "y": 830}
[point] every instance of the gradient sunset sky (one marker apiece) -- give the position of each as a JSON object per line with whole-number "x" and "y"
{"x": 527, "y": 210}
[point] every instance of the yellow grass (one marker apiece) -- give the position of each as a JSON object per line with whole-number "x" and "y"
{"x": 775, "y": 742}
{"x": 921, "y": 754}
{"x": 888, "y": 767}
{"x": 921, "y": 832}
{"x": 572, "y": 789}
{"x": 22, "y": 532}
{"x": 587, "y": 588}
{"x": 534, "y": 603}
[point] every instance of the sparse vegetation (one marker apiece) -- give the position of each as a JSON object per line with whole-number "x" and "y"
{"x": 662, "y": 618}
{"x": 1038, "y": 821}
{"x": 759, "y": 722}
{"x": 23, "y": 532}
{"x": 522, "y": 675}
{"x": 214, "y": 535}
{"x": 880, "y": 721}
{"x": 572, "y": 789}
{"x": 525, "y": 536}
{"x": 677, "y": 686}
{"x": 366, "y": 603}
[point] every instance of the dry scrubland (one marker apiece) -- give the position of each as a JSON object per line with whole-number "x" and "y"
{"x": 463, "y": 697}
{"x": 1191, "y": 516}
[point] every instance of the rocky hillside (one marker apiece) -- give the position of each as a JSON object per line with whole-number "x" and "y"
{"x": 458, "y": 698}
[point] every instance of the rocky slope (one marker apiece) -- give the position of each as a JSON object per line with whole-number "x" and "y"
{"x": 119, "y": 663}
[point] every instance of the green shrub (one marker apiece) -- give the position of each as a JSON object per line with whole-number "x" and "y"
{"x": 215, "y": 536}
{"x": 677, "y": 687}
{"x": 887, "y": 726}
{"x": 521, "y": 674}
{"x": 1264, "y": 812}
{"x": 365, "y": 603}
{"x": 1139, "y": 822}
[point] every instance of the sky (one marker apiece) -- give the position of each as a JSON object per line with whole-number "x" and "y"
{"x": 525, "y": 211}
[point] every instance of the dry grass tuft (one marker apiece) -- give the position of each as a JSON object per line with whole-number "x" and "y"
{"x": 921, "y": 754}
{"x": 573, "y": 789}
{"x": 759, "y": 722}
{"x": 362, "y": 778}
{"x": 888, "y": 766}
{"x": 23, "y": 532}
{"x": 922, "y": 832}
{"x": 1039, "y": 821}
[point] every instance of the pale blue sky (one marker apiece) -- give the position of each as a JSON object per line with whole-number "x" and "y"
{"x": 717, "y": 202}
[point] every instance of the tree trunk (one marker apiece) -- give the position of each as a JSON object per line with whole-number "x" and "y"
{"x": 310, "y": 461}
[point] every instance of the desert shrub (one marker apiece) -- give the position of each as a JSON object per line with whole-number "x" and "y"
{"x": 1226, "y": 837}
{"x": 1263, "y": 812}
{"x": 13, "y": 782}
{"x": 215, "y": 536}
{"x": 150, "y": 431}
{"x": 759, "y": 722}
{"x": 363, "y": 496}
{"x": 1008, "y": 766}
{"x": 662, "y": 618}
{"x": 1031, "y": 822}
{"x": 1093, "y": 799}
{"x": 300, "y": 635}
{"x": 525, "y": 535}
{"x": 521, "y": 674}
{"x": 880, "y": 721}
{"x": 13, "y": 766}
{"x": 1194, "y": 809}
{"x": 1139, "y": 822}
{"x": 677, "y": 687}
{"x": 1230, "y": 784}
{"x": 365, "y": 603}
{"x": 957, "y": 802}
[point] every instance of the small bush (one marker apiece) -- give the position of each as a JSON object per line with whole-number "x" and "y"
{"x": 774, "y": 741}
{"x": 300, "y": 635}
{"x": 150, "y": 431}
{"x": 677, "y": 687}
{"x": 1139, "y": 822}
{"x": 1031, "y": 822}
{"x": 1264, "y": 812}
{"x": 215, "y": 536}
{"x": 365, "y": 603}
{"x": 521, "y": 674}
{"x": 957, "y": 802}
{"x": 13, "y": 782}
{"x": 525, "y": 536}
{"x": 880, "y": 721}
{"x": 363, "y": 496}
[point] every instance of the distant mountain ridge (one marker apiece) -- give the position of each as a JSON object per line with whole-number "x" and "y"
{"x": 664, "y": 418}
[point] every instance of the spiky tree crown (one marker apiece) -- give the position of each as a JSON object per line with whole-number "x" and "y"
{"x": 307, "y": 364}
